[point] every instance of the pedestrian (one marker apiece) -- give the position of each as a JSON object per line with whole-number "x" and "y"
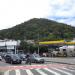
{"x": 28, "y": 59}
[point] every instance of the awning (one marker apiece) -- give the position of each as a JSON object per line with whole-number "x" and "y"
{"x": 51, "y": 42}
{"x": 59, "y": 42}
{"x": 70, "y": 43}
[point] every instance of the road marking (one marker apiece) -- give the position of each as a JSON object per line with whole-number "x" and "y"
{"x": 63, "y": 71}
{"x": 17, "y": 72}
{"x": 53, "y": 72}
{"x": 41, "y": 72}
{"x": 29, "y": 72}
{"x": 6, "y": 73}
{"x": 69, "y": 69}
{"x": 32, "y": 66}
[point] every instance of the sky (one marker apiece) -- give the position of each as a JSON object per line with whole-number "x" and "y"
{"x": 13, "y": 12}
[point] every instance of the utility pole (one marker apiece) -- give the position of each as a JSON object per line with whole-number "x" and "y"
{"x": 5, "y": 46}
{"x": 15, "y": 49}
{"x": 38, "y": 43}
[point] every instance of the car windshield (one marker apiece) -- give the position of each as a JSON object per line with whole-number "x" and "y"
{"x": 36, "y": 55}
{"x": 15, "y": 56}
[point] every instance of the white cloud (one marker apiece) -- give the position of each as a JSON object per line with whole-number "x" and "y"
{"x": 63, "y": 12}
{"x": 16, "y": 11}
{"x": 13, "y": 12}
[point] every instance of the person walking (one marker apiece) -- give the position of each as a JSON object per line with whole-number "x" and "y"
{"x": 28, "y": 59}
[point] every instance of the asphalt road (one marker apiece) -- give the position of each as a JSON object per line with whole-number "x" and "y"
{"x": 63, "y": 60}
{"x": 47, "y": 68}
{"x": 3, "y": 63}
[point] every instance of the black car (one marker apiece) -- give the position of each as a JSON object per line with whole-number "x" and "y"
{"x": 13, "y": 58}
{"x": 37, "y": 59}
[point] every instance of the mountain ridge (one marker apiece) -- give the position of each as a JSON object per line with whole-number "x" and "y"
{"x": 47, "y": 30}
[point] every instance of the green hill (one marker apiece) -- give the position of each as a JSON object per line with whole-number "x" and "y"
{"x": 47, "y": 30}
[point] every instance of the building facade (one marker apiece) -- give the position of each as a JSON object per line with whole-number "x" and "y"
{"x": 9, "y": 45}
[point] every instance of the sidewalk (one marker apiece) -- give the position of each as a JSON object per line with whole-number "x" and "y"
{"x": 63, "y": 60}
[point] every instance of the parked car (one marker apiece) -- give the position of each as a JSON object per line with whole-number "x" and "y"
{"x": 3, "y": 54}
{"x": 13, "y": 58}
{"x": 37, "y": 59}
{"x": 22, "y": 56}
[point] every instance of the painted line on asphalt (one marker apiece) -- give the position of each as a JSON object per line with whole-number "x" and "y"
{"x": 53, "y": 72}
{"x": 29, "y": 72}
{"x": 62, "y": 71}
{"x": 32, "y": 66}
{"x": 17, "y": 72}
{"x": 69, "y": 69}
{"x": 6, "y": 72}
{"x": 41, "y": 72}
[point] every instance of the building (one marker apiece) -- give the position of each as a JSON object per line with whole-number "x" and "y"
{"x": 9, "y": 45}
{"x": 69, "y": 49}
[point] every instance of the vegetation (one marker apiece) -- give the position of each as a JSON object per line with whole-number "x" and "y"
{"x": 47, "y": 30}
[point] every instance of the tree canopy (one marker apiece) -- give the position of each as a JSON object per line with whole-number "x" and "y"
{"x": 47, "y": 30}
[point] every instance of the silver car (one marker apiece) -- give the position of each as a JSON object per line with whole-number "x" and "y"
{"x": 37, "y": 59}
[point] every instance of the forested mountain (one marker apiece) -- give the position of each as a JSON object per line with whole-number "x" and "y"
{"x": 43, "y": 28}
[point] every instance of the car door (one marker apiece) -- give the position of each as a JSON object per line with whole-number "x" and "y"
{"x": 8, "y": 58}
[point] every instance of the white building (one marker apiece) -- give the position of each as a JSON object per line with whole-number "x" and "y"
{"x": 70, "y": 50}
{"x": 8, "y": 45}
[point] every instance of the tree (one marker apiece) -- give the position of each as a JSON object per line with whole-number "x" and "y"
{"x": 24, "y": 45}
